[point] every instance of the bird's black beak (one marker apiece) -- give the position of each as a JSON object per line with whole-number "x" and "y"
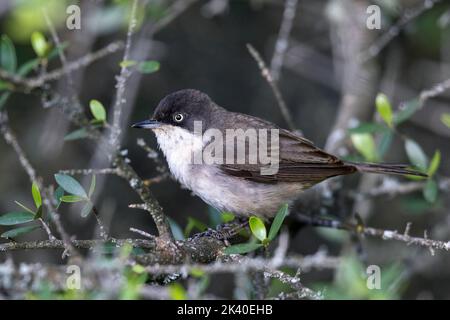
{"x": 147, "y": 124}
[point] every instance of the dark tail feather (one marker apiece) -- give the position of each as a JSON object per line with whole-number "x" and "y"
{"x": 400, "y": 169}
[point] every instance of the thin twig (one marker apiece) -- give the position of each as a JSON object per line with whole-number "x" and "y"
{"x": 266, "y": 74}
{"x": 281, "y": 45}
{"x": 374, "y": 232}
{"x": 125, "y": 73}
{"x": 31, "y": 172}
{"x": 142, "y": 233}
{"x": 392, "y": 187}
{"x": 113, "y": 171}
{"x": 32, "y": 83}
{"x": 409, "y": 15}
{"x": 435, "y": 90}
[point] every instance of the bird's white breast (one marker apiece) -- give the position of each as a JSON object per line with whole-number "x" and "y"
{"x": 179, "y": 147}
{"x": 223, "y": 192}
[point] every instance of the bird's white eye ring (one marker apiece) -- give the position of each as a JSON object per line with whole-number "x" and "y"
{"x": 178, "y": 117}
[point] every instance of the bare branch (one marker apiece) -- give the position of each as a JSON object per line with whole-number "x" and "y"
{"x": 373, "y": 232}
{"x": 281, "y": 45}
{"x": 266, "y": 74}
{"x": 122, "y": 79}
{"x": 409, "y": 15}
{"x": 435, "y": 90}
{"x": 31, "y": 83}
{"x": 113, "y": 171}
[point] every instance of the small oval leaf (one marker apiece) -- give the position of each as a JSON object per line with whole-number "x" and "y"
{"x": 11, "y": 234}
{"x": 39, "y": 44}
{"x": 278, "y": 221}
{"x": 97, "y": 109}
{"x": 242, "y": 248}
{"x": 13, "y": 218}
{"x": 72, "y": 198}
{"x": 77, "y": 134}
{"x": 445, "y": 118}
{"x": 92, "y": 187}
{"x": 384, "y": 108}
{"x": 258, "y": 228}
{"x": 434, "y": 164}
{"x": 8, "y": 60}
{"x": 36, "y": 195}
{"x": 59, "y": 192}
{"x": 148, "y": 66}
{"x": 86, "y": 209}
{"x": 70, "y": 185}
{"x": 127, "y": 63}
{"x": 406, "y": 111}
{"x": 177, "y": 292}
{"x": 416, "y": 155}
{"x": 430, "y": 191}
{"x": 365, "y": 144}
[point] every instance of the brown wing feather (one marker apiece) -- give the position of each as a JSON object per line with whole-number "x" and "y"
{"x": 300, "y": 160}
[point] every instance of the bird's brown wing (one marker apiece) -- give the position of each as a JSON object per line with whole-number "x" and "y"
{"x": 299, "y": 161}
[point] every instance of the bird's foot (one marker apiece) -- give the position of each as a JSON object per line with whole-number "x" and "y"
{"x": 223, "y": 232}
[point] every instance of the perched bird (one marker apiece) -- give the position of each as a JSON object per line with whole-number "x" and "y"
{"x": 242, "y": 188}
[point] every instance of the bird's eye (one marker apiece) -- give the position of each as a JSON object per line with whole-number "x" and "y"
{"x": 178, "y": 117}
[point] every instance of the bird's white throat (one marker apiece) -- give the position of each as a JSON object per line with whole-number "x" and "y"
{"x": 179, "y": 147}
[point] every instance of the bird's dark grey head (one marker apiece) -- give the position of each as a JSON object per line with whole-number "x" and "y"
{"x": 181, "y": 109}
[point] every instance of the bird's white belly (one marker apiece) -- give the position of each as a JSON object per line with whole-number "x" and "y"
{"x": 224, "y": 192}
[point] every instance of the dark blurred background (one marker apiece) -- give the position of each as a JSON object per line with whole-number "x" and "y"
{"x": 205, "y": 48}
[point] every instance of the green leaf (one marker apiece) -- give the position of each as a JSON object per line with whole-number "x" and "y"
{"x": 258, "y": 228}
{"x": 176, "y": 230}
{"x": 13, "y": 218}
{"x": 72, "y": 198}
{"x": 214, "y": 217}
{"x": 38, "y": 213}
{"x": 148, "y": 66}
{"x": 39, "y": 44}
{"x": 242, "y": 248}
{"x": 385, "y": 143}
{"x": 384, "y": 108}
{"x": 227, "y": 217}
{"x": 92, "y": 187}
{"x": 5, "y": 85}
{"x": 8, "y": 60}
{"x": 77, "y": 134}
{"x": 57, "y": 50}
{"x": 430, "y": 191}
{"x": 177, "y": 292}
{"x": 278, "y": 221}
{"x": 59, "y": 192}
{"x": 27, "y": 67}
{"x": 434, "y": 164}
{"x": 409, "y": 108}
{"x": 70, "y": 185}
{"x": 24, "y": 207}
{"x": 445, "y": 118}
{"x": 97, "y": 109}
{"x": 36, "y": 195}
{"x": 368, "y": 127}
{"x": 365, "y": 144}
{"x": 194, "y": 224}
{"x": 86, "y": 209}
{"x": 11, "y": 234}
{"x": 416, "y": 155}
{"x": 127, "y": 63}
{"x": 3, "y": 98}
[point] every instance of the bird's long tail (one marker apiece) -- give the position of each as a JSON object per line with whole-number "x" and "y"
{"x": 400, "y": 169}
